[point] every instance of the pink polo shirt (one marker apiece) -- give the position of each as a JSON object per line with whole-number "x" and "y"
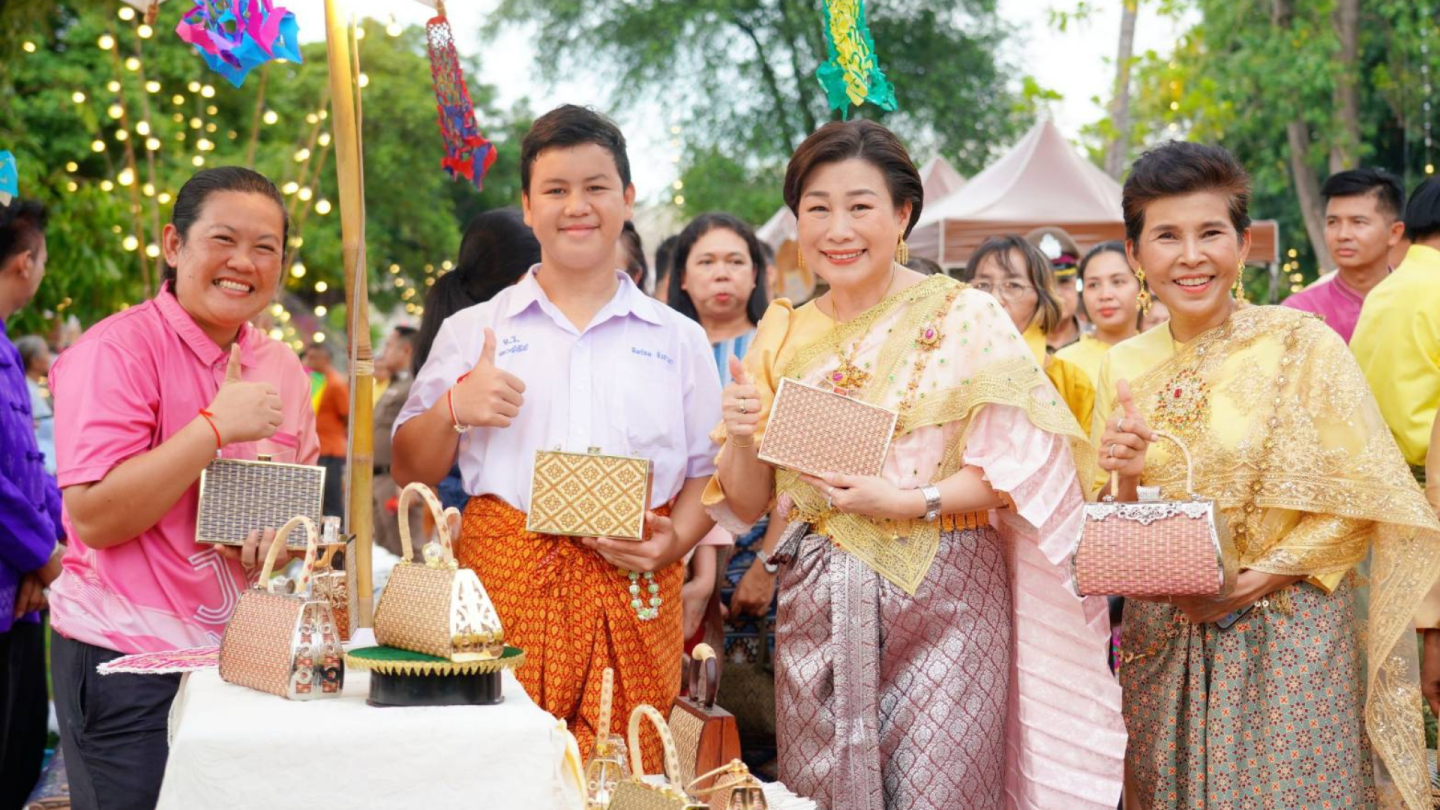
{"x": 134, "y": 380}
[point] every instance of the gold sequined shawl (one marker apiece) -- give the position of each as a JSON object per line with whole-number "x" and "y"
{"x": 1287, "y": 438}
{"x": 937, "y": 383}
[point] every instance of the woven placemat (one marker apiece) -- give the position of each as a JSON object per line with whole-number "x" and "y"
{"x": 395, "y": 661}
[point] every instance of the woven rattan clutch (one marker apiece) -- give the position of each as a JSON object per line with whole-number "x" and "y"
{"x": 818, "y": 432}
{"x": 1154, "y": 548}
{"x": 589, "y": 495}
{"x": 237, "y": 497}
{"x": 635, "y": 793}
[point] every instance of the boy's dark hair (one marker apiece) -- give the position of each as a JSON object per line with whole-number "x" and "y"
{"x": 191, "y": 200}
{"x": 571, "y": 125}
{"x": 1389, "y": 194}
{"x": 1422, "y": 214}
{"x": 1177, "y": 168}
{"x": 22, "y": 226}
{"x": 680, "y": 300}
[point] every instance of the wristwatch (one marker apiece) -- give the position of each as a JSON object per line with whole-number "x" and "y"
{"x": 764, "y": 558}
{"x": 932, "y": 503}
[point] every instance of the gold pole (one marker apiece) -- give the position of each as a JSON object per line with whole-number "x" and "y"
{"x": 344, "y": 92}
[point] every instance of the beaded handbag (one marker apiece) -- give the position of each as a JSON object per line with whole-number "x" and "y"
{"x": 818, "y": 432}
{"x": 436, "y": 607}
{"x": 706, "y": 736}
{"x": 237, "y": 497}
{"x": 1153, "y": 547}
{"x": 589, "y": 495}
{"x": 284, "y": 644}
{"x": 635, "y": 793}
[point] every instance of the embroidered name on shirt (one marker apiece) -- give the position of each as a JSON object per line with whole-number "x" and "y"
{"x": 512, "y": 345}
{"x": 658, "y": 355}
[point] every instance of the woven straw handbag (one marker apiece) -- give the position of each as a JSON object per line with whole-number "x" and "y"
{"x": 436, "y": 607}
{"x": 706, "y": 736}
{"x": 635, "y": 793}
{"x": 239, "y": 496}
{"x": 284, "y": 644}
{"x": 819, "y": 432}
{"x": 1154, "y": 548}
{"x": 732, "y": 787}
{"x": 589, "y": 495}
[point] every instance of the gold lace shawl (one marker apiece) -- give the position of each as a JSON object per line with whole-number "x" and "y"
{"x": 1288, "y": 440}
{"x": 975, "y": 358}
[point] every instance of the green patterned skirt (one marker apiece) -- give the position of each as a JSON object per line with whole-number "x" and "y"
{"x": 1265, "y": 714}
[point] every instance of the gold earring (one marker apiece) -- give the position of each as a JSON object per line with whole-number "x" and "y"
{"x": 1143, "y": 297}
{"x": 800, "y": 261}
{"x": 902, "y": 252}
{"x": 1240, "y": 285}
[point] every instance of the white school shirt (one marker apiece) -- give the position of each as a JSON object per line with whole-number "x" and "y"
{"x": 639, "y": 380}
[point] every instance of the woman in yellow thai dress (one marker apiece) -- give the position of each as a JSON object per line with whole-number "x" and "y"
{"x": 1275, "y": 707}
{"x": 1021, "y": 279}
{"x": 923, "y": 658}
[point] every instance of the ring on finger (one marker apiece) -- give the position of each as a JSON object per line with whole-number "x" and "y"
{"x": 1122, "y": 427}
{"x": 743, "y": 409}
{"x": 1112, "y": 450}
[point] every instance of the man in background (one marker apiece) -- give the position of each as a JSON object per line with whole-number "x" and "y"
{"x": 331, "y": 394}
{"x": 396, "y": 358}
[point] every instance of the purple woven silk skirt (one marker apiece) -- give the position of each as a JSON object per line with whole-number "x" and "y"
{"x": 888, "y": 701}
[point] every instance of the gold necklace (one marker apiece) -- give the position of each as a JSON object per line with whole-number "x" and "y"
{"x": 847, "y": 377}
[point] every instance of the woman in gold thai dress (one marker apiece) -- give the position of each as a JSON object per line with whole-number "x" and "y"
{"x": 1282, "y": 706}
{"x": 920, "y": 663}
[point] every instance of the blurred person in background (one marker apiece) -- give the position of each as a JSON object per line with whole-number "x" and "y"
{"x": 1063, "y": 254}
{"x": 37, "y": 358}
{"x": 396, "y": 358}
{"x": 1109, "y": 296}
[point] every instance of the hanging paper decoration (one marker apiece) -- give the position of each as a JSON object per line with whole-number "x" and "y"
{"x": 467, "y": 153}
{"x": 852, "y": 75}
{"x": 236, "y": 36}
{"x": 9, "y": 178}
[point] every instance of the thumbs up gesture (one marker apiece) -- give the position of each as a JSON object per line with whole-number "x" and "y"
{"x": 740, "y": 404}
{"x": 488, "y": 396}
{"x": 1126, "y": 437}
{"x": 244, "y": 411}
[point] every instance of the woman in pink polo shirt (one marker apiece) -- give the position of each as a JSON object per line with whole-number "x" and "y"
{"x": 144, "y": 401}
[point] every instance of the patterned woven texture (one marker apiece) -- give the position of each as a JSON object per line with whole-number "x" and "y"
{"x": 414, "y": 610}
{"x": 1174, "y": 555}
{"x": 257, "y": 647}
{"x": 570, "y": 611}
{"x": 817, "y": 432}
{"x": 686, "y": 729}
{"x": 633, "y": 795}
{"x": 238, "y": 497}
{"x": 588, "y": 495}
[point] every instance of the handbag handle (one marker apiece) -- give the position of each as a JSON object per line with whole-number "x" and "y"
{"x": 312, "y": 547}
{"x": 1189, "y": 467}
{"x": 637, "y": 760}
{"x": 607, "y": 699}
{"x": 704, "y": 675}
{"x": 440, "y": 513}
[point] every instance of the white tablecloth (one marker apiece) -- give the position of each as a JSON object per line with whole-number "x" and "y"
{"x": 233, "y": 747}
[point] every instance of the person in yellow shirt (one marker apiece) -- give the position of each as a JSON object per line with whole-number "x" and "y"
{"x": 1110, "y": 294}
{"x": 1397, "y": 339}
{"x": 1019, "y": 276}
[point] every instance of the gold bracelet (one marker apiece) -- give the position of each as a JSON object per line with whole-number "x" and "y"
{"x": 737, "y": 444}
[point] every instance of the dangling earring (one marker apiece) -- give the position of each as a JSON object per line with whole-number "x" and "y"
{"x": 902, "y": 252}
{"x": 1240, "y": 285}
{"x": 1143, "y": 297}
{"x": 800, "y": 261}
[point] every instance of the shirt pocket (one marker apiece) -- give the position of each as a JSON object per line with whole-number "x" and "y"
{"x": 281, "y": 447}
{"x": 653, "y": 413}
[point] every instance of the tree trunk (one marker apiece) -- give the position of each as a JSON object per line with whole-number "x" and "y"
{"x": 1307, "y": 191}
{"x": 1118, "y": 149}
{"x": 1345, "y": 148}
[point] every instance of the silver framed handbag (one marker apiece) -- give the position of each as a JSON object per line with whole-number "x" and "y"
{"x": 239, "y": 496}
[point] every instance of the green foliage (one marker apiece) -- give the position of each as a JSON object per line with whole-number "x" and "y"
{"x": 712, "y": 181}
{"x": 744, "y": 73}
{"x": 415, "y": 211}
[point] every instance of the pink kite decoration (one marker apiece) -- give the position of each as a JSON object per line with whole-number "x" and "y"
{"x": 236, "y": 36}
{"x": 467, "y": 153}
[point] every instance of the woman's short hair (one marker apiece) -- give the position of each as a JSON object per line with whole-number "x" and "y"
{"x": 857, "y": 139}
{"x": 1181, "y": 167}
{"x": 1034, "y": 266}
{"x": 1422, "y": 214}
{"x": 190, "y": 201}
{"x": 680, "y": 300}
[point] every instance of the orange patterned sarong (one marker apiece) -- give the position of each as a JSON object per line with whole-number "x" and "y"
{"x": 570, "y": 611}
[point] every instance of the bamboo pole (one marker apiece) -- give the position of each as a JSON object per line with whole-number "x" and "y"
{"x": 344, "y": 92}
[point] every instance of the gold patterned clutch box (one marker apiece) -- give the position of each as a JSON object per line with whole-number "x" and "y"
{"x": 589, "y": 495}
{"x": 238, "y": 497}
{"x": 815, "y": 431}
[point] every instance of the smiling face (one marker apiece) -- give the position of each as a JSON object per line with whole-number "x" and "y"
{"x": 1110, "y": 294}
{"x": 848, "y": 224}
{"x": 576, "y": 205}
{"x": 228, "y": 265}
{"x": 1358, "y": 233}
{"x": 1191, "y": 256}
{"x": 719, "y": 275}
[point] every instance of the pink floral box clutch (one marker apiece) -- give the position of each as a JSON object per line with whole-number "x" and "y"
{"x": 815, "y": 431}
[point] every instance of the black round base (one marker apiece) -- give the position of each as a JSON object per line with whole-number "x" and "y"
{"x": 478, "y": 689}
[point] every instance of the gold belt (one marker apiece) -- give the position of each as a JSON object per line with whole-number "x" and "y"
{"x": 954, "y": 522}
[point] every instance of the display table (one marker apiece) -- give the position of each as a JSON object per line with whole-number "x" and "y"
{"x": 232, "y": 747}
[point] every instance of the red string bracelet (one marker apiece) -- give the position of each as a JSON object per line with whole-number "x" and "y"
{"x": 209, "y": 419}
{"x": 450, "y": 400}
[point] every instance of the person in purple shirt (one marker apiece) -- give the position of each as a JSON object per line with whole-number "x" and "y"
{"x": 29, "y": 520}
{"x": 1362, "y": 225}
